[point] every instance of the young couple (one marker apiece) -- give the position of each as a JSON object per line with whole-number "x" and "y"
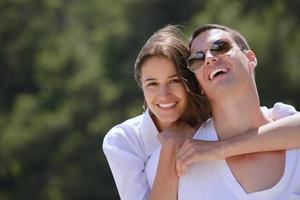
{"x": 203, "y": 134}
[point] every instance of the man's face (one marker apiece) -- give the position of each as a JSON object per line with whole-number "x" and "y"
{"x": 224, "y": 67}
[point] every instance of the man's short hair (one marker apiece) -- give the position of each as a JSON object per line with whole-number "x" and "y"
{"x": 236, "y": 36}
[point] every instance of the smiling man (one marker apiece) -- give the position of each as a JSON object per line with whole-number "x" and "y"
{"x": 224, "y": 66}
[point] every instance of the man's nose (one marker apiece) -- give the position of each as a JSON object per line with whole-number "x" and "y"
{"x": 210, "y": 58}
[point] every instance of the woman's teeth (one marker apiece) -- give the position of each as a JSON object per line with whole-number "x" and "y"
{"x": 167, "y": 105}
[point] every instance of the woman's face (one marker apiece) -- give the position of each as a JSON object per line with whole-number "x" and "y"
{"x": 164, "y": 92}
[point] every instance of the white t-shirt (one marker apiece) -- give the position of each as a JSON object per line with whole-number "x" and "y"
{"x": 214, "y": 180}
{"x": 132, "y": 151}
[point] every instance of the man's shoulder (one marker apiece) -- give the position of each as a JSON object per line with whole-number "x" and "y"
{"x": 279, "y": 110}
{"x": 206, "y": 131}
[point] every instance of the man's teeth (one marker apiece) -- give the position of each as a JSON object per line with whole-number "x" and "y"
{"x": 213, "y": 73}
{"x": 167, "y": 105}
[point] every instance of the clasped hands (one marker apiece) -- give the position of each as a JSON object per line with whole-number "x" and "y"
{"x": 187, "y": 150}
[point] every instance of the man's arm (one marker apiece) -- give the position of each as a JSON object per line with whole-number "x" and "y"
{"x": 280, "y": 134}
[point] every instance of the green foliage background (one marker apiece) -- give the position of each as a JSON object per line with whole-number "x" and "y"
{"x": 66, "y": 77}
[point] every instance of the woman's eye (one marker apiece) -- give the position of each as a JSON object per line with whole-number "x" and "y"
{"x": 175, "y": 81}
{"x": 151, "y": 84}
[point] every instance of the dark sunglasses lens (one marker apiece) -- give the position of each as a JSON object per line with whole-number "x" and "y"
{"x": 195, "y": 60}
{"x": 220, "y": 46}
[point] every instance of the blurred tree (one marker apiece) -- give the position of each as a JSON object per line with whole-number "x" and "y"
{"x": 56, "y": 102}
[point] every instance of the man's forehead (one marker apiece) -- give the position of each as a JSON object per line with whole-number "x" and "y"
{"x": 204, "y": 39}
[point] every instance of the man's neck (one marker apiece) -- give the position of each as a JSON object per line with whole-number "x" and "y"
{"x": 237, "y": 114}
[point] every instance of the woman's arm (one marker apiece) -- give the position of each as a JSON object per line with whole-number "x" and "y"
{"x": 166, "y": 180}
{"x": 165, "y": 184}
{"x": 280, "y": 134}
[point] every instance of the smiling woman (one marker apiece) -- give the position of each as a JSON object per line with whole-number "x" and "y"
{"x": 164, "y": 92}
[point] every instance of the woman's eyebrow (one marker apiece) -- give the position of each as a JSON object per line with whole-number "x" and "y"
{"x": 153, "y": 79}
{"x": 149, "y": 79}
{"x": 173, "y": 76}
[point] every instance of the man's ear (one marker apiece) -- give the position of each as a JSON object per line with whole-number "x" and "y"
{"x": 252, "y": 58}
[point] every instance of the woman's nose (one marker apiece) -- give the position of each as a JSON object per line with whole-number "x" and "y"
{"x": 164, "y": 90}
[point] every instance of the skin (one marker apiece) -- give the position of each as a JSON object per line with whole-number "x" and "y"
{"x": 164, "y": 93}
{"x": 237, "y": 79}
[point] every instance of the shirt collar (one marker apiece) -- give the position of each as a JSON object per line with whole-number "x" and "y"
{"x": 149, "y": 133}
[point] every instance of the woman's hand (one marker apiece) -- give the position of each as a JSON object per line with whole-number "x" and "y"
{"x": 193, "y": 150}
{"x": 177, "y": 140}
{"x": 176, "y": 135}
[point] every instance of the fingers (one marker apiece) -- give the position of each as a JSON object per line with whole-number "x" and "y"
{"x": 170, "y": 140}
{"x": 194, "y": 151}
{"x": 186, "y": 148}
{"x": 181, "y": 130}
{"x": 182, "y": 164}
{"x": 186, "y": 155}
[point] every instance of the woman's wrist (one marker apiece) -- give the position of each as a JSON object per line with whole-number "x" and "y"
{"x": 222, "y": 149}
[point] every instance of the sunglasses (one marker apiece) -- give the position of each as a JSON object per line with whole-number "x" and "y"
{"x": 219, "y": 47}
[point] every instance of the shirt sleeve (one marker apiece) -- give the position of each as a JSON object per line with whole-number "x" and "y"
{"x": 281, "y": 110}
{"x": 127, "y": 163}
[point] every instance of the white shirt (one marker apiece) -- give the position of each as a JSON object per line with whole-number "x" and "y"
{"x": 128, "y": 147}
{"x": 132, "y": 150}
{"x": 214, "y": 180}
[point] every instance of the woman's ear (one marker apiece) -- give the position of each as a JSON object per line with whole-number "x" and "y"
{"x": 252, "y": 58}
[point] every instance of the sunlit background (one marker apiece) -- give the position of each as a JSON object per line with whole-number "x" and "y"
{"x": 66, "y": 77}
